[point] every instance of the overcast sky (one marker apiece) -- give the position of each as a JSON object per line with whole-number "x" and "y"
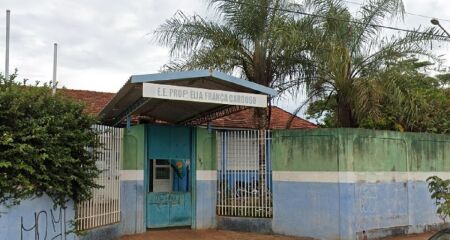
{"x": 103, "y": 42}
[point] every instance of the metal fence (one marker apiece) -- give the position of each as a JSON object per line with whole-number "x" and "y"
{"x": 104, "y": 207}
{"x": 244, "y": 173}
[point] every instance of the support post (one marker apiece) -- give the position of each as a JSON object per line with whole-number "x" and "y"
{"x": 8, "y": 15}
{"x": 55, "y": 62}
{"x": 128, "y": 121}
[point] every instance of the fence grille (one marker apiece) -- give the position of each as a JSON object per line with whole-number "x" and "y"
{"x": 104, "y": 207}
{"x": 244, "y": 173}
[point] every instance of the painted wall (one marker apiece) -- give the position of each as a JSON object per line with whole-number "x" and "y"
{"x": 132, "y": 181}
{"x": 206, "y": 175}
{"x": 335, "y": 183}
{"x": 36, "y": 219}
{"x": 327, "y": 183}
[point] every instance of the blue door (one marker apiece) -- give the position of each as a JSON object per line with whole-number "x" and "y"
{"x": 168, "y": 176}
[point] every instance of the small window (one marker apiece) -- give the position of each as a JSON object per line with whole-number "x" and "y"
{"x": 162, "y": 162}
{"x": 168, "y": 175}
{"x": 162, "y": 173}
{"x": 162, "y": 176}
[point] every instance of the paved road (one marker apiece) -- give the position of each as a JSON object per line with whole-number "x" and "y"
{"x": 187, "y": 234}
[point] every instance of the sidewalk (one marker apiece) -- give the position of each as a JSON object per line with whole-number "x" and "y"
{"x": 423, "y": 236}
{"x": 188, "y": 234}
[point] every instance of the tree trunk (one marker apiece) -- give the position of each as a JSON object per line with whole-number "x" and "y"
{"x": 263, "y": 77}
{"x": 261, "y": 119}
{"x": 344, "y": 114}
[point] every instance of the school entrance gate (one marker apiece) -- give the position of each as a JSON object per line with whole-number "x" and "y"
{"x": 166, "y": 172}
{"x": 169, "y": 195}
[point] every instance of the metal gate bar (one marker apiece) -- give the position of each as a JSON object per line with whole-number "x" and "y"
{"x": 104, "y": 207}
{"x": 244, "y": 184}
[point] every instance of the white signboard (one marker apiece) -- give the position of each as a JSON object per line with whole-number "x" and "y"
{"x": 161, "y": 91}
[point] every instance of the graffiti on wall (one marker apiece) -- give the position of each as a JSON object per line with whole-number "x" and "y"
{"x": 44, "y": 225}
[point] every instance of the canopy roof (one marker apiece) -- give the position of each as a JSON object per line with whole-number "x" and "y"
{"x": 130, "y": 101}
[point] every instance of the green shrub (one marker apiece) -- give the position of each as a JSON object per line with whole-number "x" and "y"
{"x": 440, "y": 193}
{"x": 44, "y": 146}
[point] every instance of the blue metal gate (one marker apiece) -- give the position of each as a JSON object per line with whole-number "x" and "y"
{"x": 168, "y": 173}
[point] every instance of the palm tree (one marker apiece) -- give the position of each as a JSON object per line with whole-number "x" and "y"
{"x": 352, "y": 51}
{"x": 257, "y": 39}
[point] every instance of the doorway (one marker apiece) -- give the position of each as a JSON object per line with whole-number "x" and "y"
{"x": 169, "y": 188}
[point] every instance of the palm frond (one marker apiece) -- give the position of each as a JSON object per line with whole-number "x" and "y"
{"x": 323, "y": 7}
{"x": 250, "y": 18}
{"x": 214, "y": 58}
{"x": 184, "y": 35}
{"x": 394, "y": 48}
{"x": 372, "y": 15}
{"x": 367, "y": 98}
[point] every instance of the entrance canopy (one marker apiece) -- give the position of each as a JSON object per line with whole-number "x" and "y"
{"x": 182, "y": 97}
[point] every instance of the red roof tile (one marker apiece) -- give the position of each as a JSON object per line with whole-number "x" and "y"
{"x": 278, "y": 120}
{"x": 95, "y": 101}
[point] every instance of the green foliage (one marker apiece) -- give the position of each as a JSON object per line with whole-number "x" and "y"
{"x": 411, "y": 101}
{"x": 408, "y": 100}
{"x": 440, "y": 193}
{"x": 353, "y": 76}
{"x": 251, "y": 37}
{"x": 323, "y": 110}
{"x": 43, "y": 146}
{"x": 352, "y": 57}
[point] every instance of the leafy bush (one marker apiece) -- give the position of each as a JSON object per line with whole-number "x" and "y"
{"x": 440, "y": 192}
{"x": 44, "y": 146}
{"x": 402, "y": 98}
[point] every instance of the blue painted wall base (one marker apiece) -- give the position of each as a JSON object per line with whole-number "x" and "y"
{"x": 345, "y": 210}
{"x": 36, "y": 219}
{"x": 206, "y": 204}
{"x": 132, "y": 207}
